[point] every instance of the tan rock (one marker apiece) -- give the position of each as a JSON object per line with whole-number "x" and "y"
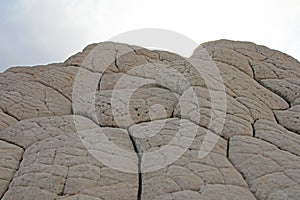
{"x": 290, "y": 118}
{"x": 117, "y": 121}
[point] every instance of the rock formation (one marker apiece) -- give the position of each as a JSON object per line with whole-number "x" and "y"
{"x": 122, "y": 122}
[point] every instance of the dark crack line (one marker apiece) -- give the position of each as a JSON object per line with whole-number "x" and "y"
{"x": 9, "y": 114}
{"x": 116, "y": 60}
{"x": 281, "y": 149}
{"x": 258, "y": 81}
{"x": 243, "y": 54}
{"x": 172, "y": 118}
{"x": 56, "y": 90}
{"x": 227, "y": 155}
{"x": 252, "y": 68}
{"x": 227, "y": 149}
{"x": 232, "y": 65}
{"x": 12, "y": 143}
{"x": 263, "y": 85}
{"x": 62, "y": 193}
{"x": 277, "y": 93}
{"x": 99, "y": 82}
{"x": 139, "y": 194}
{"x": 81, "y": 67}
{"x": 287, "y": 128}
{"x": 253, "y": 128}
{"x": 265, "y": 140}
{"x": 277, "y": 121}
{"x": 269, "y": 142}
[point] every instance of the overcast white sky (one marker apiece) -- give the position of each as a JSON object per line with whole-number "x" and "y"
{"x": 46, "y": 31}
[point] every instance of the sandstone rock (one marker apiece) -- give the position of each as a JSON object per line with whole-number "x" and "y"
{"x": 117, "y": 121}
{"x": 289, "y": 118}
{"x": 57, "y": 164}
{"x": 270, "y": 172}
{"x": 6, "y": 120}
{"x": 10, "y": 156}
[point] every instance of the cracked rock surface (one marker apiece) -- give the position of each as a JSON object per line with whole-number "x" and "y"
{"x": 117, "y": 121}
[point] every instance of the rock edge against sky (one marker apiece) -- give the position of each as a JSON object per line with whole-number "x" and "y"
{"x": 57, "y": 141}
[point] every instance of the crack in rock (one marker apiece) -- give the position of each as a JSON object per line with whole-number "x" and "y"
{"x": 140, "y": 133}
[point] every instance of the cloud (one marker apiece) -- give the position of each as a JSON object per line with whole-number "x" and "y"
{"x": 40, "y": 32}
{"x": 34, "y": 31}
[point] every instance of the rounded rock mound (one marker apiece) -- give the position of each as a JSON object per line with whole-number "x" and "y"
{"x": 118, "y": 121}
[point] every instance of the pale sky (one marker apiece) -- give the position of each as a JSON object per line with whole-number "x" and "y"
{"x": 46, "y": 31}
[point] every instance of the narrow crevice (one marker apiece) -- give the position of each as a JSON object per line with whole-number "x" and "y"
{"x": 285, "y": 98}
{"x": 259, "y": 81}
{"x": 227, "y": 155}
{"x": 253, "y": 128}
{"x": 62, "y": 193}
{"x": 251, "y": 67}
{"x": 20, "y": 162}
{"x": 10, "y": 115}
{"x": 80, "y": 66}
{"x": 268, "y": 88}
{"x": 238, "y": 51}
{"x": 282, "y": 125}
{"x": 139, "y": 194}
{"x": 116, "y": 60}
{"x": 276, "y": 119}
{"x": 56, "y": 90}
{"x": 232, "y": 65}
{"x": 280, "y": 148}
{"x": 173, "y": 112}
{"x": 227, "y": 149}
{"x": 169, "y": 118}
{"x": 72, "y": 110}
{"x": 12, "y": 143}
{"x": 263, "y": 85}
{"x": 99, "y": 82}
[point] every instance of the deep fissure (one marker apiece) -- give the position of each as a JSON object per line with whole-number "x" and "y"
{"x": 139, "y": 194}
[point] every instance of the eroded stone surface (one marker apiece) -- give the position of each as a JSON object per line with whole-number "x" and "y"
{"x": 85, "y": 128}
{"x": 190, "y": 172}
{"x": 277, "y": 135}
{"x": 10, "y": 157}
{"x": 6, "y": 120}
{"x": 270, "y": 172}
{"x": 122, "y": 108}
{"x": 36, "y": 92}
{"x": 289, "y": 118}
{"x": 56, "y": 164}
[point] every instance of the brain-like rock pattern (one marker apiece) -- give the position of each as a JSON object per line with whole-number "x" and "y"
{"x": 122, "y": 122}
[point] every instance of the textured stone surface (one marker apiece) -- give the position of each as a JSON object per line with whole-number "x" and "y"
{"x": 6, "y": 120}
{"x": 36, "y": 92}
{"x": 290, "y": 118}
{"x": 10, "y": 157}
{"x": 211, "y": 174}
{"x": 122, "y": 122}
{"x": 56, "y": 164}
{"x": 270, "y": 172}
